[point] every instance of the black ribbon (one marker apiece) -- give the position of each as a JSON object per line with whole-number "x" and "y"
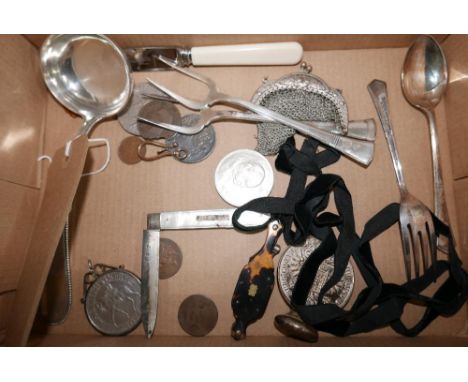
{"x": 302, "y": 213}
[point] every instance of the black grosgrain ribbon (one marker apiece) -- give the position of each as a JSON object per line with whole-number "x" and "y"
{"x": 302, "y": 213}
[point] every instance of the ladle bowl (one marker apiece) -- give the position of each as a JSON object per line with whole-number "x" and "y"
{"x": 88, "y": 74}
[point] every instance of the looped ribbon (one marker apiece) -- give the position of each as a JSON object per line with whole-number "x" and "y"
{"x": 302, "y": 213}
{"x": 299, "y": 164}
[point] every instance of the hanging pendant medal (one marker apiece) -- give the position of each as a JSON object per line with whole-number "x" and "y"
{"x": 111, "y": 298}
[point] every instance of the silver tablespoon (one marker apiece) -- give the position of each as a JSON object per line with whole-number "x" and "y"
{"x": 424, "y": 79}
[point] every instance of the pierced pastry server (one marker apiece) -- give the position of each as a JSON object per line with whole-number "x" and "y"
{"x": 202, "y": 219}
{"x": 277, "y": 53}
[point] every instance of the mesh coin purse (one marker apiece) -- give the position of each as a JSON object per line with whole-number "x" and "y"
{"x": 301, "y": 96}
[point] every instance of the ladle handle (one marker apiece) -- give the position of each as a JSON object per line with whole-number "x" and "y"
{"x": 440, "y": 203}
{"x": 87, "y": 125}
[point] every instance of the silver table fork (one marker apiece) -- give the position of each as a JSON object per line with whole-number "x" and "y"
{"x": 360, "y": 150}
{"x": 416, "y": 225}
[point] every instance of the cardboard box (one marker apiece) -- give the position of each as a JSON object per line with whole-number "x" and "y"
{"x": 109, "y": 210}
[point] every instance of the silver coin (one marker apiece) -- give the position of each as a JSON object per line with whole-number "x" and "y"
{"x": 243, "y": 175}
{"x": 157, "y": 110}
{"x": 112, "y": 303}
{"x": 196, "y": 147}
{"x": 290, "y": 265}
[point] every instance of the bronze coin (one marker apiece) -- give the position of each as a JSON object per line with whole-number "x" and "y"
{"x": 170, "y": 258}
{"x": 128, "y": 150}
{"x": 198, "y": 315}
{"x": 160, "y": 111}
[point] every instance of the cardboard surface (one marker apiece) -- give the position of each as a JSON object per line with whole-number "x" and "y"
{"x": 110, "y": 209}
{"x": 18, "y": 206}
{"x": 461, "y": 200}
{"x": 22, "y": 111}
{"x": 63, "y": 178}
{"x": 308, "y": 42}
{"x": 95, "y": 340}
{"x": 456, "y": 50}
{"x": 6, "y": 302}
{"x": 22, "y": 117}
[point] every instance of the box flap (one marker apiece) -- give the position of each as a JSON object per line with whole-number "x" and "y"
{"x": 63, "y": 179}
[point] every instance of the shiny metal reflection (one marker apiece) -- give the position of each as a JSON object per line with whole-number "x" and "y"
{"x": 425, "y": 73}
{"x": 88, "y": 74}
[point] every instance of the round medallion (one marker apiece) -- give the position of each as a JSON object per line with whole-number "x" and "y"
{"x": 112, "y": 303}
{"x": 290, "y": 265}
{"x": 198, "y": 315}
{"x": 243, "y": 175}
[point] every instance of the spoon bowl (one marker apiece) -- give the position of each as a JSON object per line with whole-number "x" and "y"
{"x": 88, "y": 74}
{"x": 425, "y": 74}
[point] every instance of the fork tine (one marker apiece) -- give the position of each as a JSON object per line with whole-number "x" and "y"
{"x": 425, "y": 246}
{"x": 433, "y": 240}
{"x": 187, "y": 130}
{"x": 159, "y": 97}
{"x": 416, "y": 248}
{"x": 187, "y": 102}
{"x": 200, "y": 77}
{"x": 406, "y": 241}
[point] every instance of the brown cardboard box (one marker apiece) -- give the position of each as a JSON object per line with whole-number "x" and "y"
{"x": 109, "y": 211}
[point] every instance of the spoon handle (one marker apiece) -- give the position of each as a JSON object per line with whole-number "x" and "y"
{"x": 440, "y": 203}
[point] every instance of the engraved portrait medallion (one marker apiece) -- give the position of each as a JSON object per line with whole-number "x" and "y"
{"x": 291, "y": 263}
{"x": 243, "y": 175}
{"x": 112, "y": 303}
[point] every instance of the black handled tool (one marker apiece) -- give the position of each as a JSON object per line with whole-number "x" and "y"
{"x": 255, "y": 284}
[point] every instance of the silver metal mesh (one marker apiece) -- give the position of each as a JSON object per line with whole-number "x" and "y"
{"x": 299, "y": 96}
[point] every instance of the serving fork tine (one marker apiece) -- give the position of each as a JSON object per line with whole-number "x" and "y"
{"x": 359, "y": 150}
{"x": 213, "y": 91}
{"x": 187, "y": 102}
{"x": 416, "y": 225}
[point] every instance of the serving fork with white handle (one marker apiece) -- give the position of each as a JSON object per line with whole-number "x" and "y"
{"x": 416, "y": 224}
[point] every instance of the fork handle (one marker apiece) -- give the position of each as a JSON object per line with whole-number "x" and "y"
{"x": 378, "y": 93}
{"x": 359, "y": 129}
{"x": 359, "y": 150}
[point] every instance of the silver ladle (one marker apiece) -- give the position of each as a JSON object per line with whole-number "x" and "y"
{"x": 88, "y": 74}
{"x": 424, "y": 79}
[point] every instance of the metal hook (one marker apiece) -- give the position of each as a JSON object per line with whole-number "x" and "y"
{"x": 168, "y": 150}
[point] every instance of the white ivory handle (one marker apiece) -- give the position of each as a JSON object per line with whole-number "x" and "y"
{"x": 278, "y": 53}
